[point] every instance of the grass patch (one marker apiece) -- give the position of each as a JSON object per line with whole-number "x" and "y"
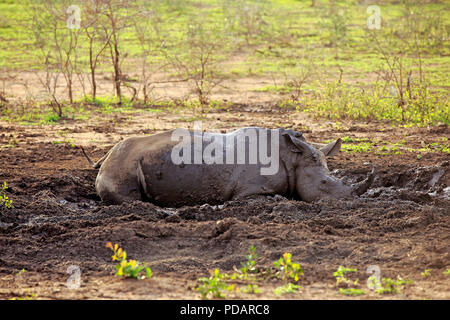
{"x": 322, "y": 59}
{"x": 391, "y": 286}
{"x": 287, "y": 288}
{"x": 351, "y": 291}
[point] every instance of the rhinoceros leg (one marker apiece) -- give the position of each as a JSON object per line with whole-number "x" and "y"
{"x": 258, "y": 186}
{"x": 115, "y": 192}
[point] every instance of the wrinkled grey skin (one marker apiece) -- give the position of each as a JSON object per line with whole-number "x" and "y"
{"x": 141, "y": 169}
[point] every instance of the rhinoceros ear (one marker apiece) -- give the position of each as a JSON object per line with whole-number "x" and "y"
{"x": 298, "y": 145}
{"x": 332, "y": 148}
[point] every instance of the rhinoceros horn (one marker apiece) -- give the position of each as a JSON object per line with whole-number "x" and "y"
{"x": 361, "y": 187}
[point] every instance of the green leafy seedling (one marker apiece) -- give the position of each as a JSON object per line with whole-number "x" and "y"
{"x": 249, "y": 266}
{"x": 127, "y": 268}
{"x": 4, "y": 200}
{"x": 21, "y": 272}
{"x": 213, "y": 285}
{"x": 287, "y": 268}
{"x": 426, "y": 273}
{"x": 340, "y": 273}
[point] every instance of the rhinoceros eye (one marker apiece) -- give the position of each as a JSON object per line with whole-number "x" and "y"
{"x": 323, "y": 181}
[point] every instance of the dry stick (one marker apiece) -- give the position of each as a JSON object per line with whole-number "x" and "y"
{"x": 147, "y": 84}
{"x": 65, "y": 63}
{"x": 93, "y": 60}
{"x": 423, "y": 84}
{"x": 115, "y": 56}
{"x": 113, "y": 44}
{"x": 393, "y": 74}
{"x": 56, "y": 106}
{"x": 125, "y": 84}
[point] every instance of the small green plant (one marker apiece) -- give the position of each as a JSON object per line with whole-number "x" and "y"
{"x": 351, "y": 291}
{"x": 248, "y": 272}
{"x": 21, "y": 272}
{"x": 4, "y": 200}
{"x": 287, "y": 288}
{"x": 426, "y": 273}
{"x": 340, "y": 273}
{"x": 33, "y": 296}
{"x": 347, "y": 286}
{"x": 249, "y": 266}
{"x": 214, "y": 285}
{"x": 361, "y": 147}
{"x": 446, "y": 272}
{"x": 50, "y": 118}
{"x": 389, "y": 285}
{"x": 251, "y": 288}
{"x": 127, "y": 268}
{"x": 441, "y": 147}
{"x": 287, "y": 268}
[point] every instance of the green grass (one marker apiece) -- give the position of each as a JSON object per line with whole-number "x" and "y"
{"x": 391, "y": 286}
{"x": 283, "y": 38}
{"x": 352, "y": 144}
{"x": 66, "y": 142}
{"x": 351, "y": 291}
{"x": 362, "y": 147}
{"x": 285, "y": 289}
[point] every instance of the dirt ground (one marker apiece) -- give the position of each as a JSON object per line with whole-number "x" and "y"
{"x": 402, "y": 224}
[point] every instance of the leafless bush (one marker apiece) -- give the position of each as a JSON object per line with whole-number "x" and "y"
{"x": 119, "y": 16}
{"x": 404, "y": 76}
{"x": 334, "y": 21}
{"x": 147, "y": 29}
{"x": 304, "y": 72}
{"x": 49, "y": 81}
{"x": 98, "y": 38}
{"x": 204, "y": 48}
{"x": 246, "y": 17}
{"x": 56, "y": 45}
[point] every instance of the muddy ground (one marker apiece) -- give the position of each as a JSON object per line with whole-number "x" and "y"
{"x": 402, "y": 224}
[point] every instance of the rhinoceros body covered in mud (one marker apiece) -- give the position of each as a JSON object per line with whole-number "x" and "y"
{"x": 181, "y": 167}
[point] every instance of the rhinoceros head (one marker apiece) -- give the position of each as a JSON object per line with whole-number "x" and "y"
{"x": 312, "y": 177}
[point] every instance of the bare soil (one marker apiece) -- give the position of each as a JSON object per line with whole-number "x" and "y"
{"x": 402, "y": 224}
